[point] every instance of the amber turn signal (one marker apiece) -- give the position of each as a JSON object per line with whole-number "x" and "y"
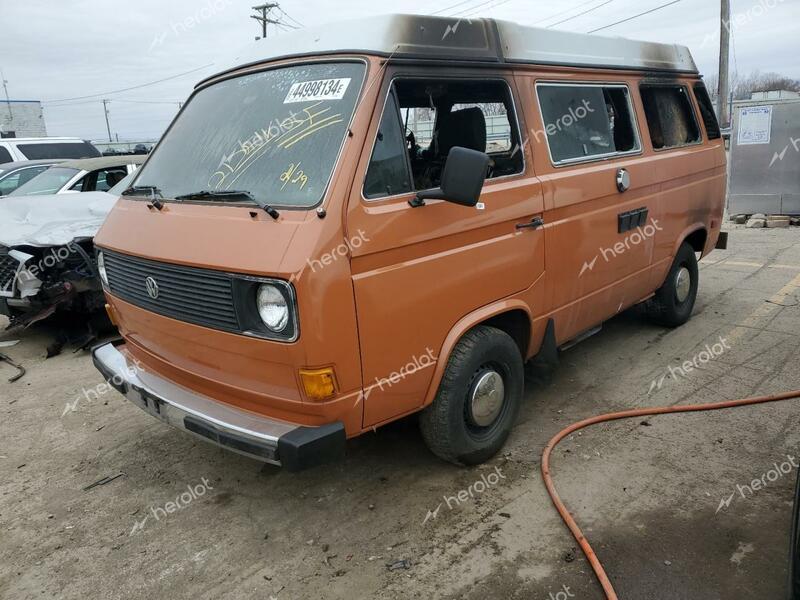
{"x": 111, "y": 315}
{"x": 319, "y": 384}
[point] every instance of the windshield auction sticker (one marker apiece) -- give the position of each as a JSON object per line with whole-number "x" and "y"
{"x": 321, "y": 89}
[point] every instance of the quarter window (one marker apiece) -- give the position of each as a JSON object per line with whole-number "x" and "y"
{"x": 586, "y": 122}
{"x": 670, "y": 116}
{"x": 707, "y": 111}
{"x": 5, "y": 155}
{"x": 388, "y": 172}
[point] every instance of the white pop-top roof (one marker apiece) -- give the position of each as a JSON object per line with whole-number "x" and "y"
{"x": 450, "y": 38}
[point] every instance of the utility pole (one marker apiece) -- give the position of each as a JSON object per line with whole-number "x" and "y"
{"x": 8, "y": 102}
{"x": 264, "y": 16}
{"x": 108, "y": 127}
{"x": 723, "y": 92}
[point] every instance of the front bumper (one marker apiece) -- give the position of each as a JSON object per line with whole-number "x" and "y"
{"x": 295, "y": 447}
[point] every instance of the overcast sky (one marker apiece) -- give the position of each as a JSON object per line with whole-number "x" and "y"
{"x": 55, "y": 51}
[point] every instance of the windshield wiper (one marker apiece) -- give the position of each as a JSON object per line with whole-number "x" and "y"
{"x": 209, "y": 194}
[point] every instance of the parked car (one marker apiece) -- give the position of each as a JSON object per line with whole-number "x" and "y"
{"x": 289, "y": 277}
{"x": 15, "y": 174}
{"x": 47, "y": 258}
{"x": 16, "y": 149}
{"x": 87, "y": 175}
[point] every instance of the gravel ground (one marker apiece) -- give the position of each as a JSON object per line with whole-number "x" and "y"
{"x": 186, "y": 520}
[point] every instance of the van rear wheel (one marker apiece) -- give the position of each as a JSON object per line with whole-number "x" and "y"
{"x": 673, "y": 302}
{"x": 478, "y": 398}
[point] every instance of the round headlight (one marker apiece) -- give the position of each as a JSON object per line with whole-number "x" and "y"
{"x": 272, "y": 307}
{"x": 101, "y": 268}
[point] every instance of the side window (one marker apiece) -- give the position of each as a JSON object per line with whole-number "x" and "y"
{"x": 707, "y": 111}
{"x": 388, "y": 173}
{"x": 5, "y": 155}
{"x": 440, "y": 114}
{"x": 108, "y": 178}
{"x": 670, "y": 116}
{"x": 585, "y": 122}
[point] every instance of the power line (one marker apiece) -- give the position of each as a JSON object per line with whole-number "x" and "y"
{"x": 564, "y": 12}
{"x": 473, "y": 10}
{"x": 469, "y": 14}
{"x": 290, "y": 17}
{"x": 135, "y": 87}
{"x": 647, "y": 12}
{"x": 579, "y": 14}
{"x": 452, "y": 6}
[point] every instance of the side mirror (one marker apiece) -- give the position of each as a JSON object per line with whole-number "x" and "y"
{"x": 462, "y": 179}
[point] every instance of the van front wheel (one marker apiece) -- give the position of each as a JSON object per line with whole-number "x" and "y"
{"x": 673, "y": 302}
{"x": 478, "y": 398}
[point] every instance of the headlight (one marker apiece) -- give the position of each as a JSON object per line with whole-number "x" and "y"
{"x": 101, "y": 268}
{"x": 272, "y": 307}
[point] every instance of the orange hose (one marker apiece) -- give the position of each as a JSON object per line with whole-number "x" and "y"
{"x": 627, "y": 414}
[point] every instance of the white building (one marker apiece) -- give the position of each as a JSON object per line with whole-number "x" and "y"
{"x": 22, "y": 118}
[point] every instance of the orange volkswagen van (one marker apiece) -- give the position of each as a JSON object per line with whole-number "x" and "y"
{"x": 390, "y": 216}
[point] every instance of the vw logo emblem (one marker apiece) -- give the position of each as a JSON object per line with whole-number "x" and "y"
{"x": 152, "y": 287}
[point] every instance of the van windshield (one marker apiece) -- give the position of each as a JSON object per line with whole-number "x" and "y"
{"x": 275, "y": 134}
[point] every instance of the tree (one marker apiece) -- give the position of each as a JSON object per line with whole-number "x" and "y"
{"x": 743, "y": 87}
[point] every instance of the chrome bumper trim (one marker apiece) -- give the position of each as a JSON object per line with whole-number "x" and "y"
{"x": 227, "y": 427}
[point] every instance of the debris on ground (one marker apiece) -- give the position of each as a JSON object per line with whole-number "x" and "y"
{"x": 569, "y": 555}
{"x": 103, "y": 481}
{"x": 777, "y": 221}
{"x": 398, "y": 565}
{"x": 19, "y": 368}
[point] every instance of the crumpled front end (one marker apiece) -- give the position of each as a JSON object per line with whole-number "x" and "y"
{"x": 35, "y": 282}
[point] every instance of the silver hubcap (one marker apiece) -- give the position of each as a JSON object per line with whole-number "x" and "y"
{"x": 683, "y": 284}
{"x": 487, "y": 398}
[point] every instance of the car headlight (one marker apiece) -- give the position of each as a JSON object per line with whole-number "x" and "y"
{"x": 272, "y": 307}
{"x": 101, "y": 268}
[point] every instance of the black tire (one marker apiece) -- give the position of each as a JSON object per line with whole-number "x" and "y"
{"x": 448, "y": 425}
{"x": 671, "y": 307}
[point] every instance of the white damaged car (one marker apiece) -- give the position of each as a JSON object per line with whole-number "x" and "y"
{"x": 47, "y": 258}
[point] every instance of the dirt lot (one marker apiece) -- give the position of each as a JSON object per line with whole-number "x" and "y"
{"x": 649, "y": 494}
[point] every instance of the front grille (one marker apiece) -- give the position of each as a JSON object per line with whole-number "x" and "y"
{"x": 198, "y": 296}
{"x": 8, "y": 271}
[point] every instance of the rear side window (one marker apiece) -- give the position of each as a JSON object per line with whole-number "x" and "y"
{"x": 586, "y": 122}
{"x": 670, "y": 116}
{"x": 58, "y": 150}
{"x": 5, "y": 155}
{"x": 707, "y": 111}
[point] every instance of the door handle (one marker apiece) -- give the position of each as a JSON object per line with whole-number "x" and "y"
{"x": 534, "y": 224}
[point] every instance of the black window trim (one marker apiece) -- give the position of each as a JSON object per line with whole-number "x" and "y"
{"x": 702, "y": 84}
{"x": 390, "y": 97}
{"x": 581, "y": 160}
{"x": 514, "y": 123}
{"x": 690, "y": 97}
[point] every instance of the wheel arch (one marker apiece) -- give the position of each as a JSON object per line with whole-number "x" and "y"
{"x": 511, "y": 316}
